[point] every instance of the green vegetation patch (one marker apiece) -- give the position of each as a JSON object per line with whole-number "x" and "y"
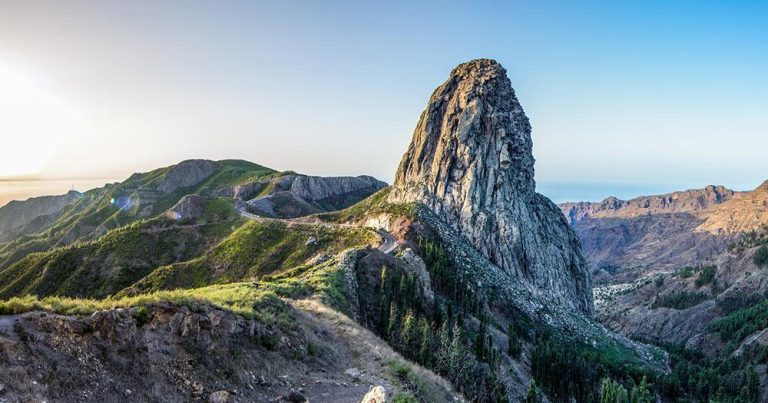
{"x": 706, "y": 276}
{"x": 105, "y": 266}
{"x": 761, "y": 256}
{"x": 244, "y": 299}
{"x": 255, "y": 250}
{"x": 420, "y": 389}
{"x": 737, "y": 325}
{"x": 375, "y": 204}
{"x": 567, "y": 369}
{"x": 696, "y": 378}
{"x": 679, "y": 300}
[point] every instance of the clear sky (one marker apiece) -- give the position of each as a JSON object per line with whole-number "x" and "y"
{"x": 624, "y": 98}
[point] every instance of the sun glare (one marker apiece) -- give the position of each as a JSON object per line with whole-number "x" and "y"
{"x": 34, "y": 122}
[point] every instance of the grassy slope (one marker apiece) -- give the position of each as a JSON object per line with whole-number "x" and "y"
{"x": 243, "y": 298}
{"x": 256, "y": 249}
{"x": 93, "y": 214}
{"x": 375, "y": 204}
{"x": 162, "y": 254}
{"x": 113, "y": 262}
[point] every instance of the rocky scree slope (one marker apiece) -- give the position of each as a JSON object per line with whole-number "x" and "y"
{"x": 470, "y": 162}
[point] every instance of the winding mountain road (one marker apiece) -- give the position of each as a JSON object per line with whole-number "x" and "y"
{"x": 388, "y": 242}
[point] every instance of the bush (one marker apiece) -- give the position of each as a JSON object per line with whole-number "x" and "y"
{"x": 142, "y": 316}
{"x": 706, "y": 276}
{"x": 761, "y": 256}
{"x": 686, "y": 272}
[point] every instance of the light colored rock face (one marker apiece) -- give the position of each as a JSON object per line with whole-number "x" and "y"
{"x": 189, "y": 207}
{"x": 745, "y": 212}
{"x": 298, "y": 195}
{"x": 376, "y": 395}
{"x": 185, "y": 174}
{"x": 470, "y": 161}
{"x": 317, "y": 188}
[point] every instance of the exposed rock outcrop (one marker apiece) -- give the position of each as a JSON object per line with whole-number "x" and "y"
{"x": 298, "y": 195}
{"x": 188, "y": 208}
{"x": 471, "y": 163}
{"x": 745, "y": 212}
{"x": 185, "y": 174}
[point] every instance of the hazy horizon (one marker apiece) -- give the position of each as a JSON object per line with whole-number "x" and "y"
{"x": 624, "y": 99}
{"x": 22, "y": 188}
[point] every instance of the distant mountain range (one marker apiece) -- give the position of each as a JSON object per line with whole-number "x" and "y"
{"x": 666, "y": 230}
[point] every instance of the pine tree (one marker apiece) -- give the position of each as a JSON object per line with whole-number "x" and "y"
{"x": 480, "y": 341}
{"x": 426, "y": 344}
{"x": 458, "y": 359}
{"x": 612, "y": 392}
{"x": 513, "y": 343}
{"x": 443, "y": 349}
{"x": 753, "y": 384}
{"x": 408, "y": 335}
{"x": 393, "y": 325}
{"x": 642, "y": 393}
{"x": 533, "y": 395}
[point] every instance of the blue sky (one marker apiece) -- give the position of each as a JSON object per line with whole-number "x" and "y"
{"x": 624, "y": 99}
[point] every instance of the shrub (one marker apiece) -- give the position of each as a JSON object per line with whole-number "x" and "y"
{"x": 761, "y": 256}
{"x": 706, "y": 276}
{"x": 686, "y": 272}
{"x": 141, "y": 315}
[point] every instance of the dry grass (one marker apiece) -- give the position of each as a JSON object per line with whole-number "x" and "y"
{"x": 239, "y": 298}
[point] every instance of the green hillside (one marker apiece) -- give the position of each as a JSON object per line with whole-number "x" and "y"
{"x": 115, "y": 205}
{"x": 124, "y": 255}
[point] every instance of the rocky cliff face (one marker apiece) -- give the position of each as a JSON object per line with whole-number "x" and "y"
{"x": 316, "y": 188}
{"x": 669, "y": 230}
{"x": 299, "y": 195}
{"x": 470, "y": 161}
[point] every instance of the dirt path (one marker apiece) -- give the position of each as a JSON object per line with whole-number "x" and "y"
{"x": 371, "y": 357}
{"x": 388, "y": 244}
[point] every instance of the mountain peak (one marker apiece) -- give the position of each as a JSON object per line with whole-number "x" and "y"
{"x": 473, "y": 127}
{"x": 471, "y": 162}
{"x": 488, "y": 67}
